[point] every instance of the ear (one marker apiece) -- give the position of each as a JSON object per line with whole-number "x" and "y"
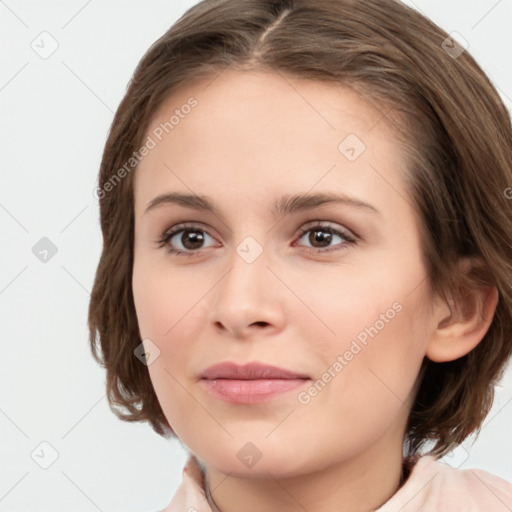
{"x": 460, "y": 325}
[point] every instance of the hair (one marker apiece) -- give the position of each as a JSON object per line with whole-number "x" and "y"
{"x": 449, "y": 119}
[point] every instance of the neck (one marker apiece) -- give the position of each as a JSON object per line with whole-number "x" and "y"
{"x": 360, "y": 484}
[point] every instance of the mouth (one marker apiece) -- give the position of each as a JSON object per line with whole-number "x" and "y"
{"x": 251, "y": 383}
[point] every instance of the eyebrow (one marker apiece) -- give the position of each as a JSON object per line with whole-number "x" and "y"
{"x": 283, "y": 206}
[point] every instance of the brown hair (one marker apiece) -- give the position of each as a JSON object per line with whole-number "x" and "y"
{"x": 452, "y": 123}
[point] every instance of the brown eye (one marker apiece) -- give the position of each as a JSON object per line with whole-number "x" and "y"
{"x": 184, "y": 240}
{"x": 321, "y": 236}
{"x": 188, "y": 240}
{"x": 191, "y": 239}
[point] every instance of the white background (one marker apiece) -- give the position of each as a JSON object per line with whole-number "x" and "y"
{"x": 55, "y": 114}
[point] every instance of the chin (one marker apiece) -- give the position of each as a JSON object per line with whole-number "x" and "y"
{"x": 257, "y": 460}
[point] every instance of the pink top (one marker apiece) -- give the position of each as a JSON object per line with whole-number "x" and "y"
{"x": 432, "y": 486}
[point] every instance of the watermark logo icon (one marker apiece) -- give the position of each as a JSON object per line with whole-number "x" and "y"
{"x": 44, "y": 250}
{"x": 45, "y": 45}
{"x": 249, "y": 454}
{"x": 351, "y": 147}
{"x": 147, "y": 352}
{"x": 454, "y": 45}
{"x": 44, "y": 455}
{"x": 249, "y": 249}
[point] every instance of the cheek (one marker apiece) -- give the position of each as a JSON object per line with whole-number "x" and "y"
{"x": 365, "y": 385}
{"x": 343, "y": 306}
{"x": 162, "y": 300}
{"x": 370, "y": 333}
{"x": 168, "y": 313}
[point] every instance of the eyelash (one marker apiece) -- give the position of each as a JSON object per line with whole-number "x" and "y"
{"x": 319, "y": 226}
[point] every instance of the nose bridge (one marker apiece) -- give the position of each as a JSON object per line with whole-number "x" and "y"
{"x": 246, "y": 294}
{"x": 248, "y": 272}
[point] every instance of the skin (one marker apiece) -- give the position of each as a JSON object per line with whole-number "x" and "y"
{"x": 251, "y": 138}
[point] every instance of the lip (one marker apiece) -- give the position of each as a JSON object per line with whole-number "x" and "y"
{"x": 250, "y": 383}
{"x": 249, "y": 371}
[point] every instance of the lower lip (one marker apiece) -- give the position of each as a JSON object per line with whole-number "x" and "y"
{"x": 250, "y": 391}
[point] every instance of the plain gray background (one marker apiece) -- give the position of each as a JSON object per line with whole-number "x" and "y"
{"x": 55, "y": 113}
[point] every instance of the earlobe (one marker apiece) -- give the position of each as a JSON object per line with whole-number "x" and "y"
{"x": 462, "y": 325}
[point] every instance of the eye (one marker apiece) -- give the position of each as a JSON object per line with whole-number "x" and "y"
{"x": 322, "y": 235}
{"x": 192, "y": 238}
{"x": 188, "y": 239}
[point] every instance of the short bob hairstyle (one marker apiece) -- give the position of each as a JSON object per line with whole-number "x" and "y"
{"x": 449, "y": 120}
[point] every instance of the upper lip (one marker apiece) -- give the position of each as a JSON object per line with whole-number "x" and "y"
{"x": 249, "y": 371}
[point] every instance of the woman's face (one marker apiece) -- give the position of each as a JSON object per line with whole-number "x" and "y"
{"x": 334, "y": 291}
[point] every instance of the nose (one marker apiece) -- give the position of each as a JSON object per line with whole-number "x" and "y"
{"x": 248, "y": 299}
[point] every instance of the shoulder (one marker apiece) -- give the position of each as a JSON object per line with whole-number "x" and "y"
{"x": 433, "y": 486}
{"x": 190, "y": 495}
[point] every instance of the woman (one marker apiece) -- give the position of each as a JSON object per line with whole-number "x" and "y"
{"x": 306, "y": 261}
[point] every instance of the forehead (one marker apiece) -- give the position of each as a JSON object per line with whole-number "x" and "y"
{"x": 245, "y": 95}
{"x": 261, "y": 132}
